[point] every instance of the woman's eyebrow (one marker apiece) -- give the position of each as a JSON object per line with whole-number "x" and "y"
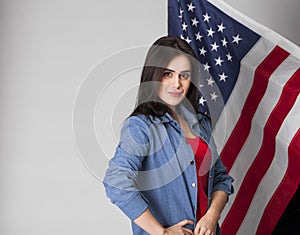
{"x": 175, "y": 71}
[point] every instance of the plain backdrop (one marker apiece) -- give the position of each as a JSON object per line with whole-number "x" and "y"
{"x": 47, "y": 50}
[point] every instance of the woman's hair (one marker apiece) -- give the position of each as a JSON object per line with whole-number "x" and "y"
{"x": 158, "y": 57}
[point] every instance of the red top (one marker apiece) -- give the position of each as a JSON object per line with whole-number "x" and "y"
{"x": 203, "y": 159}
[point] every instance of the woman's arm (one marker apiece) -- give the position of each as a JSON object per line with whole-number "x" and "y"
{"x": 208, "y": 223}
{"x": 148, "y": 223}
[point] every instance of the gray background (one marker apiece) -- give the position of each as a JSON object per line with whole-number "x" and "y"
{"x": 47, "y": 49}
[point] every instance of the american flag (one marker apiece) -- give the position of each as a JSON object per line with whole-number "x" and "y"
{"x": 250, "y": 86}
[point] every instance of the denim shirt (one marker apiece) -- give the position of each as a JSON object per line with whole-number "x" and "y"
{"x": 154, "y": 167}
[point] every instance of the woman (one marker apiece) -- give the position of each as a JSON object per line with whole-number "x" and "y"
{"x": 166, "y": 175}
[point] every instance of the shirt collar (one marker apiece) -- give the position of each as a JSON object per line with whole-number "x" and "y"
{"x": 191, "y": 117}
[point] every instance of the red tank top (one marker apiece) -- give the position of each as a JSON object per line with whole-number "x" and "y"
{"x": 203, "y": 160}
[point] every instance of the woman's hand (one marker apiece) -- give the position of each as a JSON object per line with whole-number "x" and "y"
{"x": 207, "y": 225}
{"x": 178, "y": 228}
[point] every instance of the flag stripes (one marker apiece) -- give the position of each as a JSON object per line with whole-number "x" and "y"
{"x": 231, "y": 112}
{"x": 264, "y": 157}
{"x": 289, "y": 183}
{"x": 254, "y": 141}
{"x": 243, "y": 126}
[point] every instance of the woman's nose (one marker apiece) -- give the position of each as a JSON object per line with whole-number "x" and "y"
{"x": 176, "y": 81}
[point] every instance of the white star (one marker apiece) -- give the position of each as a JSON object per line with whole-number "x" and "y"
{"x": 202, "y": 51}
{"x": 210, "y": 32}
{"x": 219, "y": 61}
{"x": 181, "y": 36}
{"x": 221, "y": 28}
{"x": 206, "y": 17}
{"x": 210, "y": 81}
{"x": 184, "y": 26}
{"x": 198, "y": 36}
{"x": 223, "y": 77}
{"x": 237, "y": 39}
{"x": 202, "y": 100}
{"x": 188, "y": 40}
{"x": 224, "y": 42}
{"x": 191, "y": 7}
{"x": 214, "y": 47}
{"x": 214, "y": 96}
{"x": 195, "y": 22}
{"x": 206, "y": 67}
{"x": 229, "y": 57}
{"x": 180, "y": 13}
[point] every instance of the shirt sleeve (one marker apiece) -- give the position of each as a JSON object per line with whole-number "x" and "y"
{"x": 120, "y": 179}
{"x": 222, "y": 181}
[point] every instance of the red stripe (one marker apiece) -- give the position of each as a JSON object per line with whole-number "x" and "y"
{"x": 284, "y": 192}
{"x": 264, "y": 157}
{"x": 243, "y": 126}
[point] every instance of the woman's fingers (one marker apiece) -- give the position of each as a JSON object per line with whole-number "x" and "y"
{"x": 185, "y": 222}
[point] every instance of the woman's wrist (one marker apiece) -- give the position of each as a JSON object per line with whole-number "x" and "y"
{"x": 216, "y": 214}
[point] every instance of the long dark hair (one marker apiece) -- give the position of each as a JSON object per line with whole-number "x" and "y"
{"x": 158, "y": 57}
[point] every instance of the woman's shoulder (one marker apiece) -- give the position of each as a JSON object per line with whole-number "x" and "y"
{"x": 135, "y": 124}
{"x": 138, "y": 119}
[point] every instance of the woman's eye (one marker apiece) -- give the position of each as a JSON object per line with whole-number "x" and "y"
{"x": 167, "y": 74}
{"x": 185, "y": 75}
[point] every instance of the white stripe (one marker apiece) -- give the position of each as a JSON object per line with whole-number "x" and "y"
{"x": 235, "y": 103}
{"x": 257, "y": 27}
{"x": 275, "y": 173}
{"x": 254, "y": 141}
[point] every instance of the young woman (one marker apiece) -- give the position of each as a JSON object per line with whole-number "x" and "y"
{"x": 166, "y": 175}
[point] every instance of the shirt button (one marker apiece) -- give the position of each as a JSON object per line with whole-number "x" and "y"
{"x": 192, "y": 162}
{"x": 193, "y": 185}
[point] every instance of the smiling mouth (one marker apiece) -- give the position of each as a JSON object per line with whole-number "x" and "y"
{"x": 175, "y": 94}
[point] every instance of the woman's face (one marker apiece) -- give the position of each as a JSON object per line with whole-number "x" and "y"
{"x": 175, "y": 81}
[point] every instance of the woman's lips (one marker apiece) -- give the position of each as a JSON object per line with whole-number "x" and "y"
{"x": 175, "y": 94}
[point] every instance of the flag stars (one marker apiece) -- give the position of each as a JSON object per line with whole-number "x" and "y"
{"x": 202, "y": 51}
{"x": 206, "y": 67}
{"x": 236, "y": 39}
{"x": 214, "y": 47}
{"x": 180, "y": 13}
{"x": 219, "y": 61}
{"x": 223, "y": 77}
{"x": 198, "y": 36}
{"x": 191, "y": 7}
{"x": 210, "y": 32}
{"x": 206, "y": 17}
{"x": 210, "y": 82}
{"x": 188, "y": 40}
{"x": 221, "y": 28}
{"x": 195, "y": 22}
{"x": 184, "y": 26}
{"x": 202, "y": 100}
{"x": 224, "y": 42}
{"x": 229, "y": 57}
{"x": 214, "y": 96}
